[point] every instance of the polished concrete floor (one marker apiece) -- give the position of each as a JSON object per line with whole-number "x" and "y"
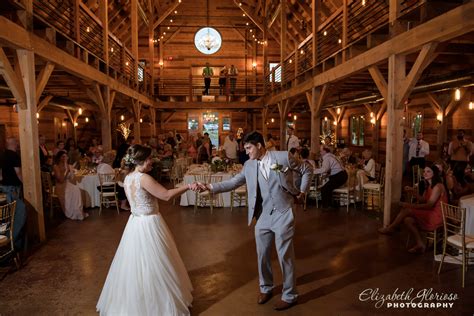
{"x": 338, "y": 256}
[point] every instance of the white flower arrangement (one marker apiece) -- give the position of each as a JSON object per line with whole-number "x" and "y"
{"x": 128, "y": 159}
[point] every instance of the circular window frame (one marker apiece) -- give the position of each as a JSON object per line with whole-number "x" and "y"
{"x": 201, "y": 32}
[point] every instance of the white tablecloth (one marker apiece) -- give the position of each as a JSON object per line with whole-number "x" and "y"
{"x": 88, "y": 184}
{"x": 189, "y": 198}
{"x": 468, "y": 202}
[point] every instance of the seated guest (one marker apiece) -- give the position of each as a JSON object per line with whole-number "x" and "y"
{"x": 427, "y": 214}
{"x": 105, "y": 166}
{"x": 167, "y": 152}
{"x": 347, "y": 157}
{"x": 73, "y": 153}
{"x": 191, "y": 148}
{"x": 270, "y": 144}
{"x": 337, "y": 174}
{"x": 459, "y": 182}
{"x": 66, "y": 188}
{"x": 367, "y": 163}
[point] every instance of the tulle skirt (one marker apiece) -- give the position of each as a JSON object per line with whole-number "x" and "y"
{"x": 147, "y": 275}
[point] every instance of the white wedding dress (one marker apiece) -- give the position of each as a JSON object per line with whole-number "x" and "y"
{"x": 147, "y": 275}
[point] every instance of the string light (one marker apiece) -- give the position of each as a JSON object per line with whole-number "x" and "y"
{"x": 339, "y": 41}
{"x": 325, "y": 33}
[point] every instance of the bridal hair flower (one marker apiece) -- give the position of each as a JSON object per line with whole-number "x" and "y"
{"x": 278, "y": 168}
{"x": 129, "y": 160}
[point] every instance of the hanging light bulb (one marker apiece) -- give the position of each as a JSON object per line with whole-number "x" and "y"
{"x": 122, "y": 117}
{"x": 273, "y": 120}
{"x": 335, "y": 123}
{"x": 87, "y": 120}
{"x": 326, "y": 118}
{"x": 338, "y": 111}
{"x": 457, "y": 94}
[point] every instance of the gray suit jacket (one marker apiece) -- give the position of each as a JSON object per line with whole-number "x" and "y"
{"x": 281, "y": 183}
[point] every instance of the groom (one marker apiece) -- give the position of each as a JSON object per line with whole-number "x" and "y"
{"x": 271, "y": 195}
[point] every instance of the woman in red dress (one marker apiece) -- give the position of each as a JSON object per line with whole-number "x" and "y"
{"x": 426, "y": 215}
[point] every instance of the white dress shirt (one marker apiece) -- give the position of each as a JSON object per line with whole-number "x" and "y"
{"x": 264, "y": 165}
{"x": 230, "y": 147}
{"x": 424, "y": 149}
{"x": 330, "y": 165}
{"x": 293, "y": 142}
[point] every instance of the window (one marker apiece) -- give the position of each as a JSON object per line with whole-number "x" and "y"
{"x": 226, "y": 123}
{"x": 210, "y": 124}
{"x": 277, "y": 72}
{"x": 357, "y": 130}
{"x": 193, "y": 124}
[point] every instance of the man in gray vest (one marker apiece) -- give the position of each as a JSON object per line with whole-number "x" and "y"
{"x": 271, "y": 196}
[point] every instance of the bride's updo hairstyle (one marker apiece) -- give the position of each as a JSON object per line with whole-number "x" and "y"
{"x": 136, "y": 155}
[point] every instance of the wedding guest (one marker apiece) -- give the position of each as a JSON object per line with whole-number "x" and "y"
{"x": 43, "y": 151}
{"x": 459, "y": 150}
{"x": 222, "y": 80}
{"x": 231, "y": 147}
{"x": 60, "y": 146}
{"x": 292, "y": 141}
{"x": 304, "y": 154}
{"x": 233, "y": 72}
{"x": 66, "y": 188}
{"x": 425, "y": 215}
{"x": 105, "y": 166}
{"x": 192, "y": 150}
{"x": 336, "y": 172}
{"x": 270, "y": 144}
{"x": 418, "y": 150}
{"x": 204, "y": 152}
{"x": 367, "y": 163}
{"x": 207, "y": 73}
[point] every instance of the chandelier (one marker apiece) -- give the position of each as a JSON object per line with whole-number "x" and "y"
{"x": 207, "y": 39}
{"x": 209, "y": 117}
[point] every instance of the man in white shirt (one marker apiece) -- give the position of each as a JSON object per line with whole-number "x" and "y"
{"x": 293, "y": 141}
{"x": 418, "y": 150}
{"x": 336, "y": 172}
{"x": 231, "y": 146}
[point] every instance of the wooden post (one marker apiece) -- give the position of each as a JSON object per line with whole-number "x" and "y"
{"x": 151, "y": 52}
{"x": 316, "y": 100}
{"x": 344, "y": 29}
{"x": 136, "y": 120}
{"x": 30, "y": 163}
{"x": 394, "y": 157}
{"x": 283, "y": 109}
{"x": 153, "y": 121}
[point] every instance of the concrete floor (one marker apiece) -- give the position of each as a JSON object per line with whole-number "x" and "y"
{"x": 338, "y": 255}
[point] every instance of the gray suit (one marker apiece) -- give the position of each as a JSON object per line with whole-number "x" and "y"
{"x": 270, "y": 201}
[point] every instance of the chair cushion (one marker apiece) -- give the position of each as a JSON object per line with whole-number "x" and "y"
{"x": 4, "y": 240}
{"x": 457, "y": 241}
{"x": 372, "y": 186}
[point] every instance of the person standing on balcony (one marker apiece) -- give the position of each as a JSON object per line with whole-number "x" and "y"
{"x": 207, "y": 73}
{"x": 223, "y": 79}
{"x": 233, "y": 72}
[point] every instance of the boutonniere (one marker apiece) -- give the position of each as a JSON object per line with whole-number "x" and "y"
{"x": 278, "y": 168}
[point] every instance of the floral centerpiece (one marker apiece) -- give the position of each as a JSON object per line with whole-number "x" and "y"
{"x": 219, "y": 164}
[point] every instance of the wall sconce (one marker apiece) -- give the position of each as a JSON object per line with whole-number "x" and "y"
{"x": 161, "y": 64}
{"x": 457, "y": 94}
{"x": 471, "y": 105}
{"x": 326, "y": 118}
{"x": 80, "y": 111}
{"x": 295, "y": 118}
{"x": 122, "y": 118}
{"x": 335, "y": 123}
{"x": 87, "y": 120}
{"x": 272, "y": 120}
{"x": 141, "y": 120}
{"x": 76, "y": 124}
{"x": 371, "y": 114}
{"x": 439, "y": 118}
{"x": 37, "y": 115}
{"x": 254, "y": 65}
{"x": 338, "y": 111}
{"x": 372, "y": 121}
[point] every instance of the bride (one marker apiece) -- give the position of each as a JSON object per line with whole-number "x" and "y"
{"x": 147, "y": 275}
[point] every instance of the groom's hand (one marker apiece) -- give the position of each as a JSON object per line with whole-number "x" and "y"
{"x": 299, "y": 199}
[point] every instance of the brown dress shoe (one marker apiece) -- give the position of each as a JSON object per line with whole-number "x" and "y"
{"x": 264, "y": 297}
{"x": 282, "y": 305}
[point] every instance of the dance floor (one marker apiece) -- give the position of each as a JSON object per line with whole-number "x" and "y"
{"x": 340, "y": 258}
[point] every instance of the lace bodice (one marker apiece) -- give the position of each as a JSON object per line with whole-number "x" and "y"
{"x": 141, "y": 202}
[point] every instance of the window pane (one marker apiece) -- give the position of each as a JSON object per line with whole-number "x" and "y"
{"x": 193, "y": 124}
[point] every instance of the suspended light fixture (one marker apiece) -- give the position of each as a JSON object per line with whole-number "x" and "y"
{"x": 207, "y": 40}
{"x": 457, "y": 94}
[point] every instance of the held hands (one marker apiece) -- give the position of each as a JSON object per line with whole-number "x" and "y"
{"x": 198, "y": 187}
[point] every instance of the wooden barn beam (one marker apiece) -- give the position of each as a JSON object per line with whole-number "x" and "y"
{"x": 137, "y": 107}
{"x": 44, "y": 103}
{"x": 283, "y": 108}
{"x": 62, "y": 60}
{"x": 168, "y": 11}
{"x": 13, "y": 80}
{"x": 379, "y": 80}
{"x": 43, "y": 78}
{"x": 316, "y": 99}
{"x": 441, "y": 28}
